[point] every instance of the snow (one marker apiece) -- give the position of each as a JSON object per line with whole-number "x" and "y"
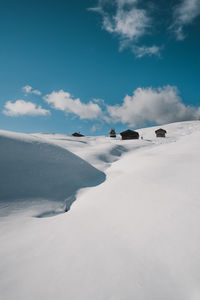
{"x": 133, "y": 236}
{"x": 32, "y": 168}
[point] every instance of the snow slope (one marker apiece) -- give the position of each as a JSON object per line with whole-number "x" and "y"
{"x": 135, "y": 236}
{"x": 99, "y": 151}
{"x": 32, "y": 168}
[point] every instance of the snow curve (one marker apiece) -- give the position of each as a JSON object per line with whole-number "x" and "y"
{"x": 33, "y": 168}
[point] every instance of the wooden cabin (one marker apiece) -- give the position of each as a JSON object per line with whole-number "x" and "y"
{"x": 77, "y": 134}
{"x": 129, "y": 135}
{"x": 160, "y": 132}
{"x": 112, "y": 133}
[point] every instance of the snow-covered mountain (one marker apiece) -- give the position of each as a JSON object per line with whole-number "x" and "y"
{"x": 135, "y": 235}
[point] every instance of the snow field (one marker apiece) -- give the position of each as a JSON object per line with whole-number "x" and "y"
{"x": 134, "y": 236}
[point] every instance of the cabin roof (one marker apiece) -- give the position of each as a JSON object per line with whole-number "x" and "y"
{"x": 160, "y": 130}
{"x": 77, "y": 134}
{"x": 112, "y": 130}
{"x": 129, "y": 132}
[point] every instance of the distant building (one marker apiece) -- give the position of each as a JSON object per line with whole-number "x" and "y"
{"x": 112, "y": 133}
{"x": 160, "y": 132}
{"x": 77, "y": 134}
{"x": 129, "y": 135}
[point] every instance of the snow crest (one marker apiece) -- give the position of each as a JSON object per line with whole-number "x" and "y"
{"x": 35, "y": 169}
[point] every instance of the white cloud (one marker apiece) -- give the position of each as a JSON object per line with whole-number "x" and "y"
{"x": 29, "y": 90}
{"x": 21, "y": 108}
{"x": 63, "y": 101}
{"x": 146, "y": 51}
{"x": 127, "y": 21}
{"x": 131, "y": 20}
{"x": 148, "y": 105}
{"x": 129, "y": 24}
{"x": 184, "y": 14}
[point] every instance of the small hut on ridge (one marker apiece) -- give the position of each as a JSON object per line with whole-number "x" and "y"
{"x": 160, "y": 132}
{"x": 112, "y": 133}
{"x": 129, "y": 135}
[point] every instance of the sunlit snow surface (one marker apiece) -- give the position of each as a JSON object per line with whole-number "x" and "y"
{"x": 135, "y": 235}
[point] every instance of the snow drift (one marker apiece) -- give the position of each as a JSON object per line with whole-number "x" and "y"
{"x": 33, "y": 168}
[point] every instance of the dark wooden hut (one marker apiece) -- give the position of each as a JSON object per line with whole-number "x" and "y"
{"x": 129, "y": 135}
{"x": 160, "y": 132}
{"x": 112, "y": 133}
{"x": 77, "y": 134}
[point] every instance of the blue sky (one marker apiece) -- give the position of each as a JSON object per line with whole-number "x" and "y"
{"x": 87, "y": 66}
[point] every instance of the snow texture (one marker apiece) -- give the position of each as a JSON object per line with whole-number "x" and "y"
{"x": 135, "y": 236}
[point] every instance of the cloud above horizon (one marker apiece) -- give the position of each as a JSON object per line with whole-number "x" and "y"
{"x": 127, "y": 21}
{"x": 153, "y": 106}
{"x": 24, "y": 108}
{"x": 133, "y": 20}
{"x": 146, "y": 51}
{"x": 184, "y": 14}
{"x": 145, "y": 106}
{"x": 63, "y": 101}
{"x": 27, "y": 89}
